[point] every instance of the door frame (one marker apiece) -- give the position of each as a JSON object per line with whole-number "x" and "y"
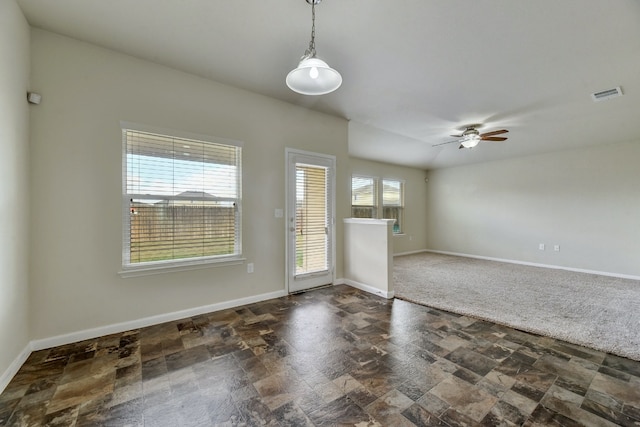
{"x": 290, "y": 154}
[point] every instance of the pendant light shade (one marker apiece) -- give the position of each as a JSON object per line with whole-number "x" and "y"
{"x": 313, "y": 77}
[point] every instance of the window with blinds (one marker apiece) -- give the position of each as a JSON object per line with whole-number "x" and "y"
{"x": 364, "y": 197}
{"x": 393, "y": 202}
{"x": 312, "y": 219}
{"x": 182, "y": 198}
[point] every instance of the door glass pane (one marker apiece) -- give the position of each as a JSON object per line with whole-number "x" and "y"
{"x": 311, "y": 219}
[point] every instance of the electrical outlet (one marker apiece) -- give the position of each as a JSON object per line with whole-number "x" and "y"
{"x": 541, "y": 246}
{"x": 556, "y": 248}
{"x": 250, "y": 267}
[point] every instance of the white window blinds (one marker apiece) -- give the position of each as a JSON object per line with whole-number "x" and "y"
{"x": 312, "y": 219}
{"x": 183, "y": 199}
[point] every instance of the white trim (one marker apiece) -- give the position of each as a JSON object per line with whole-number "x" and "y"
{"x": 130, "y": 269}
{"x": 403, "y": 184}
{"x": 329, "y": 161}
{"x": 148, "y": 321}
{"x": 360, "y": 175}
{"x": 14, "y": 367}
{"x": 419, "y": 251}
{"x": 535, "y": 264}
{"x": 139, "y": 127}
{"x": 45, "y": 343}
{"x": 170, "y": 267}
{"x": 365, "y": 288}
{"x": 369, "y": 221}
{"x": 375, "y": 183}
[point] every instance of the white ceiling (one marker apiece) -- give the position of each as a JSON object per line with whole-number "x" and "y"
{"x": 414, "y": 71}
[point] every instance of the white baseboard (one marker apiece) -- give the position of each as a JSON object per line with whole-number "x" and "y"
{"x": 366, "y": 288}
{"x": 13, "y": 369}
{"x": 44, "y": 343}
{"x": 534, "y": 264}
{"x": 148, "y": 321}
{"x": 419, "y": 251}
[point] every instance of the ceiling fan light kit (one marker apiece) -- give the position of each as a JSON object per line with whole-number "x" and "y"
{"x": 313, "y": 76}
{"x": 470, "y": 137}
{"x": 470, "y": 141}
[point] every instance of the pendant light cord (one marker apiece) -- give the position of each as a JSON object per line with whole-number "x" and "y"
{"x": 311, "y": 50}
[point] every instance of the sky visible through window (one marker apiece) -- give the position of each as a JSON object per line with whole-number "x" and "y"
{"x": 150, "y": 175}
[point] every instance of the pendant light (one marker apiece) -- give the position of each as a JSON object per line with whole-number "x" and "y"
{"x": 313, "y": 76}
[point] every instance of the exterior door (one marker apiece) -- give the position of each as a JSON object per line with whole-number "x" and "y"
{"x": 310, "y": 220}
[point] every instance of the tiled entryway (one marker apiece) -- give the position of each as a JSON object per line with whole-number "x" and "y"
{"x": 334, "y": 356}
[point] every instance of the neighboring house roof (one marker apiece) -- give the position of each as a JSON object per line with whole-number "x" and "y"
{"x": 188, "y": 198}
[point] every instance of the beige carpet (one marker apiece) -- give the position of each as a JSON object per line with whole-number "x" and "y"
{"x": 595, "y": 311}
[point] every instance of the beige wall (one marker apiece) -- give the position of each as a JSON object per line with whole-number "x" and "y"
{"x": 76, "y": 182}
{"x": 414, "y": 236}
{"x": 14, "y": 208}
{"x": 587, "y": 201}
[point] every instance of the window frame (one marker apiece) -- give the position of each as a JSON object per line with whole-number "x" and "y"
{"x": 400, "y": 205}
{"x": 379, "y": 205}
{"x": 376, "y": 199}
{"x": 129, "y": 269}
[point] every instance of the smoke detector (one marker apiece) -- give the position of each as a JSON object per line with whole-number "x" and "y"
{"x": 606, "y": 94}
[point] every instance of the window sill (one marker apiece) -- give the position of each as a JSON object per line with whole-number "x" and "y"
{"x": 147, "y": 270}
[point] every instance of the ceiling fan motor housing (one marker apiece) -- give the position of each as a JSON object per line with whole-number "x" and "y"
{"x": 470, "y": 131}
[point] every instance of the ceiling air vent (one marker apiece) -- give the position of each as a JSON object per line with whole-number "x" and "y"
{"x": 607, "y": 94}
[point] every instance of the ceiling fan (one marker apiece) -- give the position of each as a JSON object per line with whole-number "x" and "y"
{"x": 471, "y": 137}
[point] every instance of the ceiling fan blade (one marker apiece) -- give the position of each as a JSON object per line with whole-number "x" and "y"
{"x": 444, "y": 143}
{"x": 493, "y": 138}
{"x": 457, "y": 136}
{"x": 495, "y": 132}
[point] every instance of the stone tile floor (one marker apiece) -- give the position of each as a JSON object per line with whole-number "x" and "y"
{"x": 330, "y": 357}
